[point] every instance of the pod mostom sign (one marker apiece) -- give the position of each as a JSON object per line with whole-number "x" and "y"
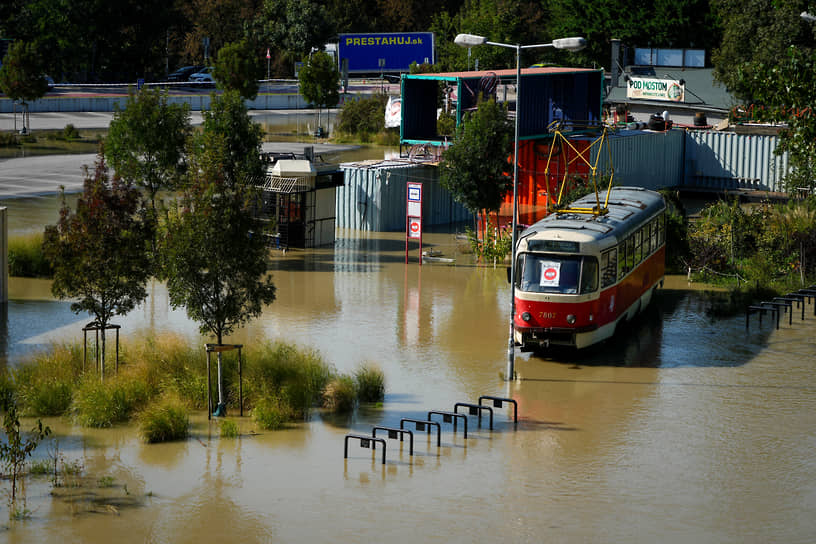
{"x": 386, "y": 52}
{"x": 643, "y": 88}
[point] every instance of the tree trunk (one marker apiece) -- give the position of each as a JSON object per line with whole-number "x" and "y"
{"x": 102, "y": 355}
{"x": 220, "y": 379}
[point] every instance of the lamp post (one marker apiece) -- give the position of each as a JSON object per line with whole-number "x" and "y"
{"x": 568, "y": 44}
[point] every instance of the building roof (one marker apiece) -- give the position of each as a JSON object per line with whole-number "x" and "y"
{"x": 702, "y": 92}
{"x": 502, "y": 74}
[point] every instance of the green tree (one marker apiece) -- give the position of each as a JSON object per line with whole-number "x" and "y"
{"x": 319, "y": 81}
{"x": 98, "y": 252}
{"x": 295, "y": 27}
{"x": 476, "y": 169}
{"x": 21, "y": 76}
{"x": 238, "y": 68}
{"x": 15, "y": 449}
{"x": 146, "y": 139}
{"x": 228, "y": 129}
{"x": 797, "y": 225}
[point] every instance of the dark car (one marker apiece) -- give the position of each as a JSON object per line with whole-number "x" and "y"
{"x": 183, "y": 73}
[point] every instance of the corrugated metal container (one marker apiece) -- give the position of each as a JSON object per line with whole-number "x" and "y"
{"x": 652, "y": 160}
{"x": 374, "y": 197}
{"x": 730, "y": 161}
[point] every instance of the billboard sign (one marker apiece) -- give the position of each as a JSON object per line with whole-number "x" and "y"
{"x": 656, "y": 89}
{"x": 386, "y": 52}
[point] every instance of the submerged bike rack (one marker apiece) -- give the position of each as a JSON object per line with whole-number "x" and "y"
{"x": 475, "y": 409}
{"x": 776, "y": 306}
{"x": 498, "y": 402}
{"x": 425, "y": 425}
{"x": 365, "y": 442}
{"x": 422, "y": 425}
{"x": 447, "y": 417}
{"x": 397, "y": 433}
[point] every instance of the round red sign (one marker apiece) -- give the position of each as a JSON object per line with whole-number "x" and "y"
{"x": 550, "y": 274}
{"x": 414, "y": 226}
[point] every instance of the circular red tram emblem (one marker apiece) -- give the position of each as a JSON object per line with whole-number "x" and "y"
{"x": 550, "y": 274}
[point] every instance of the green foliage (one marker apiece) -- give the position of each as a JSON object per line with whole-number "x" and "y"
{"x": 296, "y": 26}
{"x": 446, "y": 124}
{"x": 340, "y": 395}
{"x": 146, "y": 139}
{"x": 677, "y": 243}
{"x": 98, "y": 404}
{"x": 319, "y": 80}
{"x": 7, "y": 389}
{"x": 475, "y": 169}
{"x": 238, "y": 68}
{"x": 98, "y": 252}
{"x": 22, "y": 72}
{"x": 70, "y": 132}
{"x": 271, "y": 413}
{"x": 370, "y": 383}
{"x": 45, "y": 383}
{"x": 26, "y": 258}
{"x": 494, "y": 245}
{"x": 9, "y": 139}
{"x": 362, "y": 117}
{"x": 295, "y": 376}
{"x": 228, "y": 149}
{"x": 164, "y": 421}
{"x": 40, "y": 467}
{"x": 228, "y": 428}
{"x": 16, "y": 447}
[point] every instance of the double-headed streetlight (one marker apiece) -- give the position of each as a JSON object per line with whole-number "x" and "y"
{"x": 568, "y": 44}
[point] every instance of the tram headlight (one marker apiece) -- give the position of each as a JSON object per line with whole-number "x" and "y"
{"x": 526, "y": 317}
{"x": 571, "y": 319}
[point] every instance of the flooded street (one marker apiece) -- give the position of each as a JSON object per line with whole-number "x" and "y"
{"x": 688, "y": 430}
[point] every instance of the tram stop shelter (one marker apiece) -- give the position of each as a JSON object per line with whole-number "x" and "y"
{"x": 297, "y": 201}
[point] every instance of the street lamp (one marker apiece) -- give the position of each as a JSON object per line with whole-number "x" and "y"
{"x": 568, "y": 44}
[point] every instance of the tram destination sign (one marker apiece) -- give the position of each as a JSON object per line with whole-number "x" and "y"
{"x": 385, "y": 52}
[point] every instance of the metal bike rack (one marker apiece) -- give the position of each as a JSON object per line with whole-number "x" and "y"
{"x": 422, "y": 425}
{"x": 759, "y": 309}
{"x": 394, "y": 433}
{"x": 475, "y": 410}
{"x": 810, "y": 294}
{"x": 498, "y": 401}
{"x": 365, "y": 442}
{"x": 447, "y": 417}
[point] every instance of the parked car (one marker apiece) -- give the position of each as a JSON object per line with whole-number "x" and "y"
{"x": 184, "y": 73}
{"x": 205, "y": 77}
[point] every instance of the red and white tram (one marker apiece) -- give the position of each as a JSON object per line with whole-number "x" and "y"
{"x": 579, "y": 275}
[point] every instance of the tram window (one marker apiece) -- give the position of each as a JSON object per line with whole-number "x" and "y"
{"x": 638, "y": 247}
{"x": 655, "y": 227}
{"x": 647, "y": 240}
{"x": 589, "y": 275}
{"x": 550, "y": 273}
{"x": 661, "y": 221}
{"x": 609, "y": 267}
{"x": 630, "y": 253}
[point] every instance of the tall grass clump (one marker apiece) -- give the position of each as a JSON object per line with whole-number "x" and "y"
{"x": 45, "y": 383}
{"x": 26, "y": 258}
{"x": 228, "y": 428}
{"x": 296, "y": 376}
{"x": 103, "y": 404}
{"x": 170, "y": 364}
{"x": 370, "y": 383}
{"x": 7, "y": 390}
{"x": 164, "y": 420}
{"x": 340, "y": 395}
{"x": 271, "y": 413}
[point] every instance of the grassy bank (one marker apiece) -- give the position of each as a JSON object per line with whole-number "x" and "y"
{"x": 162, "y": 380}
{"x": 69, "y": 140}
{"x": 26, "y": 258}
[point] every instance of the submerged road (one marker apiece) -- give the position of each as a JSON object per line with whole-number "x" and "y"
{"x": 45, "y": 174}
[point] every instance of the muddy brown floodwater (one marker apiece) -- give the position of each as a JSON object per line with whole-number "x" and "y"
{"x": 688, "y": 430}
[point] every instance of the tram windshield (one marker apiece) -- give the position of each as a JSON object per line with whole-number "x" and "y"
{"x": 552, "y": 273}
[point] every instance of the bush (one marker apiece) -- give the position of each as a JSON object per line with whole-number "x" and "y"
{"x": 45, "y": 383}
{"x": 26, "y": 258}
{"x": 363, "y": 117}
{"x": 228, "y": 429}
{"x": 8, "y": 139}
{"x": 271, "y": 413}
{"x": 340, "y": 395}
{"x": 103, "y": 404}
{"x": 370, "y": 383}
{"x": 70, "y": 132}
{"x": 164, "y": 420}
{"x": 296, "y": 376}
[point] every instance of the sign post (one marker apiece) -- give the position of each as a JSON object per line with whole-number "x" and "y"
{"x": 413, "y": 217}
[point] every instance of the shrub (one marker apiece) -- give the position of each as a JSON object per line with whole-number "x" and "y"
{"x": 228, "y": 429}
{"x": 164, "y": 420}
{"x": 45, "y": 383}
{"x": 8, "y": 139}
{"x": 102, "y": 404}
{"x": 340, "y": 395}
{"x": 70, "y": 132}
{"x": 363, "y": 117}
{"x": 370, "y": 382}
{"x": 6, "y": 389}
{"x": 271, "y": 413}
{"x": 26, "y": 258}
